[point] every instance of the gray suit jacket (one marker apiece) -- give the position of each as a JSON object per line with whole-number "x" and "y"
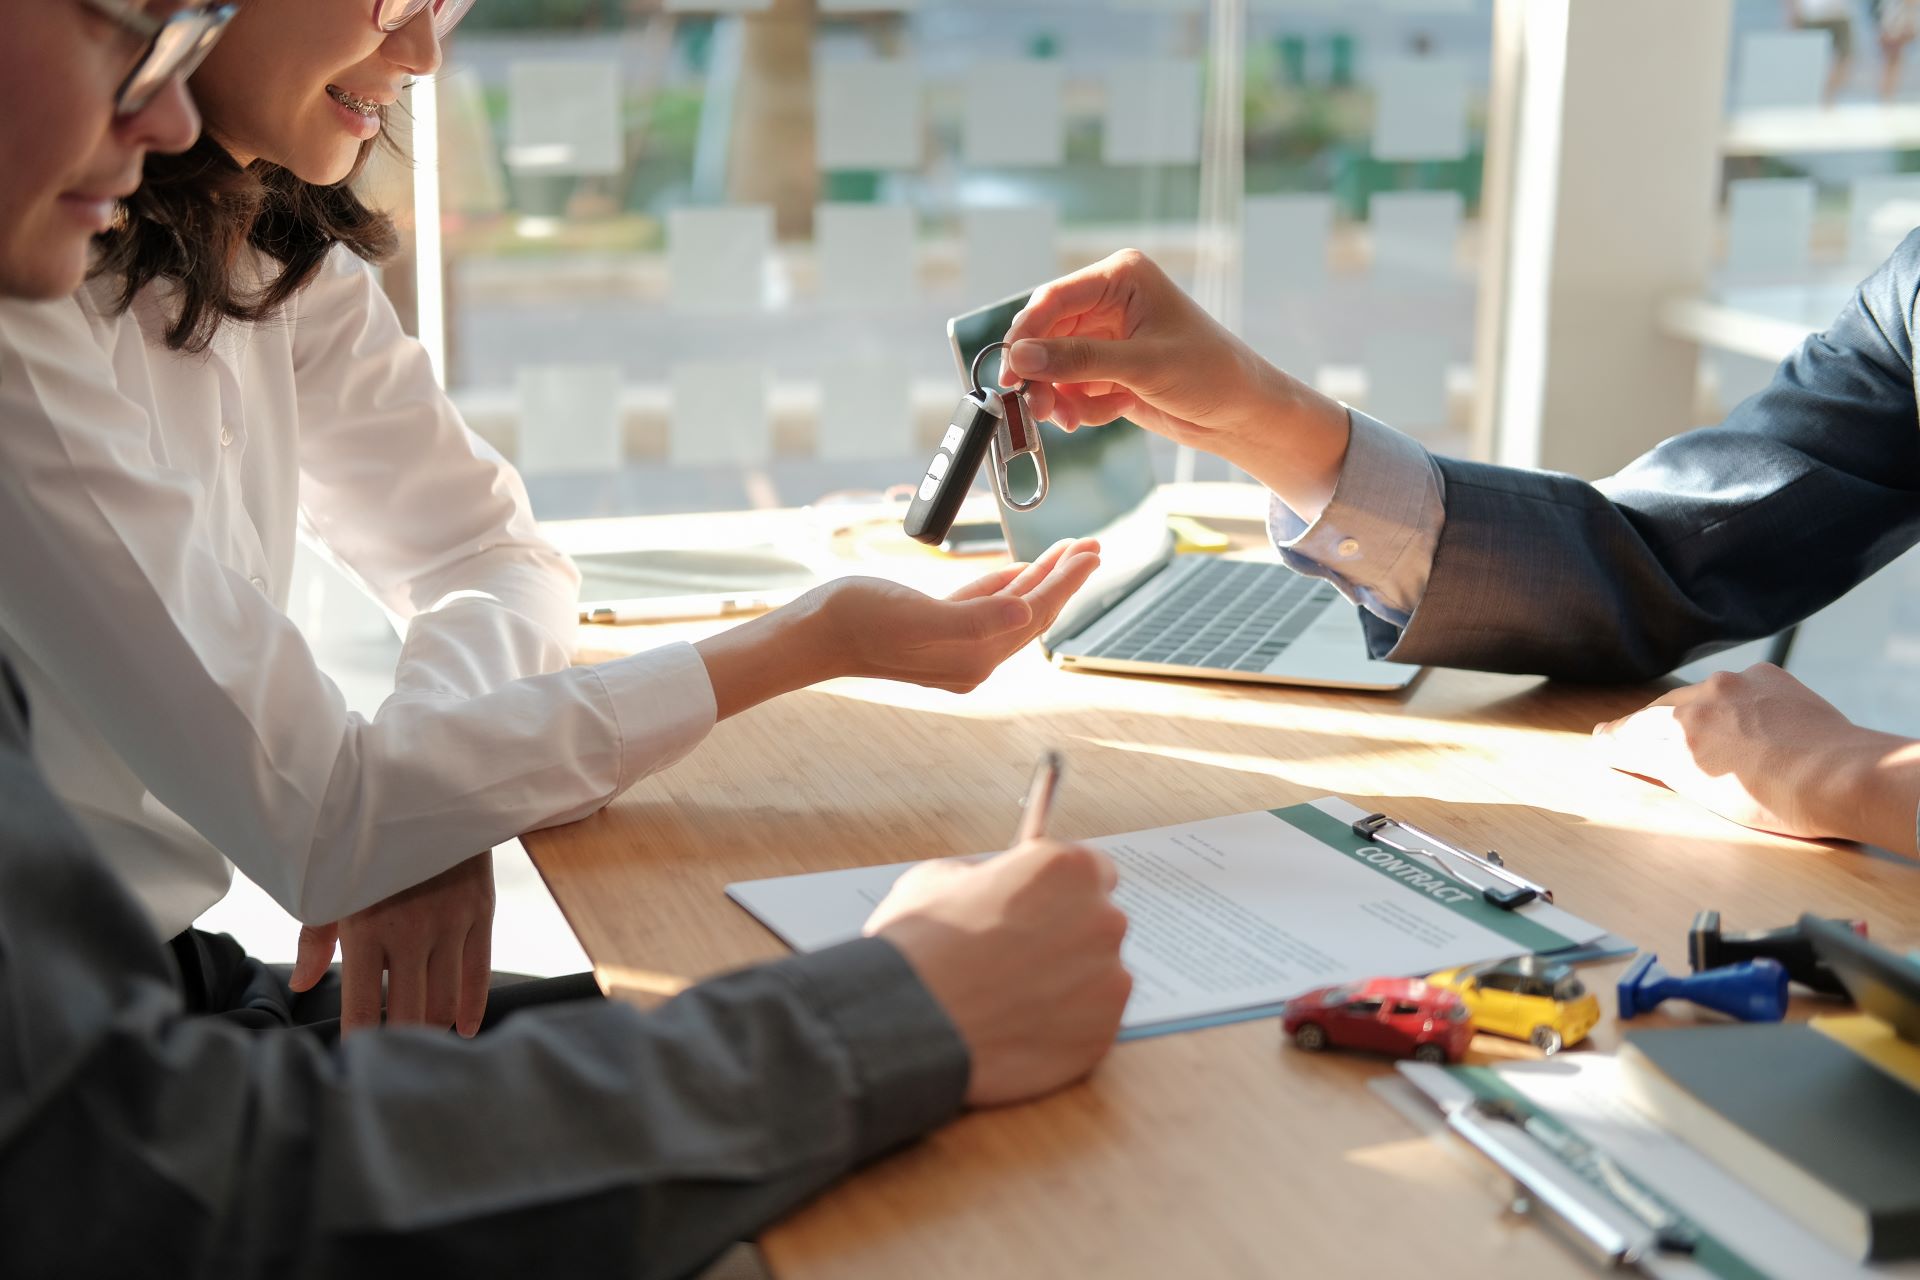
{"x": 582, "y": 1141}
{"x": 1718, "y": 536}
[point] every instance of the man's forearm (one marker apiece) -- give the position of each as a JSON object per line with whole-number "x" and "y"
{"x": 1293, "y": 442}
{"x": 584, "y": 1140}
{"x": 587, "y": 1141}
{"x": 1869, "y": 790}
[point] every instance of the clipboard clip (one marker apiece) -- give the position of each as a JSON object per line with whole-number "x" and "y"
{"x": 1512, "y": 891}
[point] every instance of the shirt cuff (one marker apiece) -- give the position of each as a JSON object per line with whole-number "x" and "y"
{"x": 1375, "y": 540}
{"x": 663, "y": 707}
{"x": 910, "y": 1064}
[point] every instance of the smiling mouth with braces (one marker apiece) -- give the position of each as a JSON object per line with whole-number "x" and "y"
{"x": 351, "y": 103}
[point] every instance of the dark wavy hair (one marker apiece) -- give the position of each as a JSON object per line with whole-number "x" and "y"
{"x": 197, "y": 213}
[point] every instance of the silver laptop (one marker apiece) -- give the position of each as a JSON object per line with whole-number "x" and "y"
{"x": 1148, "y": 611}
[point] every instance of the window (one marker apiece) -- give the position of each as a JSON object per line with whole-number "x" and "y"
{"x": 1365, "y": 137}
{"x": 1819, "y": 180}
{"x": 696, "y": 261}
{"x": 1820, "y": 170}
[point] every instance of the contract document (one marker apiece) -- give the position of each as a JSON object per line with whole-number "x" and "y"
{"x": 1232, "y": 917}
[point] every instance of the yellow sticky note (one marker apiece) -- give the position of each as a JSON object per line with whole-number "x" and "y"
{"x": 1875, "y": 1041}
{"x": 1190, "y": 535}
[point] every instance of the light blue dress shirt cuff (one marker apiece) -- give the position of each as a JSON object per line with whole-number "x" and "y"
{"x": 1375, "y": 540}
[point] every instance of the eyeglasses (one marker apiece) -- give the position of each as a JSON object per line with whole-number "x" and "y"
{"x": 175, "y": 46}
{"x": 391, "y": 15}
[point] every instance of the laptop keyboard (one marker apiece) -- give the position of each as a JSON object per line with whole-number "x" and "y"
{"x": 1227, "y": 615}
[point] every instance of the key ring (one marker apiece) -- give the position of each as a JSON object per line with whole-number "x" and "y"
{"x": 973, "y": 372}
{"x": 1017, "y": 435}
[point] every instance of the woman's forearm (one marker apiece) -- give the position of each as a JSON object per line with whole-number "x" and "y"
{"x": 778, "y": 652}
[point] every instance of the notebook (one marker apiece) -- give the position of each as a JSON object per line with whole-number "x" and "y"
{"x": 1810, "y": 1123}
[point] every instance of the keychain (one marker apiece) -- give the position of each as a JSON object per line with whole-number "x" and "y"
{"x": 988, "y": 420}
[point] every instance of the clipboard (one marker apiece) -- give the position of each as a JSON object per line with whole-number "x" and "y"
{"x": 1572, "y": 1187}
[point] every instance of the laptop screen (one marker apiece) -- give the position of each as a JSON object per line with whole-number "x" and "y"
{"x": 1099, "y": 484}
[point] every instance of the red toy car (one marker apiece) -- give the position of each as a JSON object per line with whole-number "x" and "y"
{"x": 1404, "y": 1017}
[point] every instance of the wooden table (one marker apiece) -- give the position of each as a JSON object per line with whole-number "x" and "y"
{"x": 1219, "y": 1153}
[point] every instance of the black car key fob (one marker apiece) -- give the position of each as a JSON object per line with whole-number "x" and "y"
{"x": 989, "y": 420}
{"x": 936, "y": 503}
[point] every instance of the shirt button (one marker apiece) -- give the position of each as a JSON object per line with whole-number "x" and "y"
{"x": 1348, "y": 548}
{"x": 226, "y": 437}
{"x": 259, "y": 583}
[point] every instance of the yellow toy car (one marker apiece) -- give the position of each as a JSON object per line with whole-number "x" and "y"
{"x": 1527, "y": 998}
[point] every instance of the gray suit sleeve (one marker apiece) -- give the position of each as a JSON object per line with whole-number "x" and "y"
{"x": 1718, "y": 536}
{"x": 585, "y": 1141}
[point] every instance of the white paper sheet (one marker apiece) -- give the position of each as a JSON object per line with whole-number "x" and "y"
{"x": 866, "y": 410}
{"x": 1769, "y": 225}
{"x": 1226, "y": 916}
{"x": 1421, "y": 111}
{"x": 1883, "y": 211}
{"x": 1010, "y": 249}
{"x": 1414, "y": 234}
{"x": 719, "y": 415}
{"x": 1781, "y": 69}
{"x": 717, "y": 258}
{"x": 866, "y": 253}
{"x": 1407, "y": 380}
{"x": 569, "y": 418}
{"x": 1015, "y": 113}
{"x": 1284, "y": 241}
{"x": 563, "y": 118}
{"x": 867, "y": 115}
{"x": 1153, "y": 112}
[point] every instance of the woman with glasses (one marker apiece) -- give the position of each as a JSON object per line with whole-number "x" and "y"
{"x": 584, "y": 1141}
{"x": 231, "y": 371}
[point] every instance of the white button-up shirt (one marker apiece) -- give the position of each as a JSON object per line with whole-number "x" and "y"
{"x": 148, "y": 510}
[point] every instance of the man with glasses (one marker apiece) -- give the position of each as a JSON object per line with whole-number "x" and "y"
{"x": 70, "y": 150}
{"x": 587, "y": 1140}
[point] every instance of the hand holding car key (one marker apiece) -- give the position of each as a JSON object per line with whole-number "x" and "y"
{"x": 988, "y": 420}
